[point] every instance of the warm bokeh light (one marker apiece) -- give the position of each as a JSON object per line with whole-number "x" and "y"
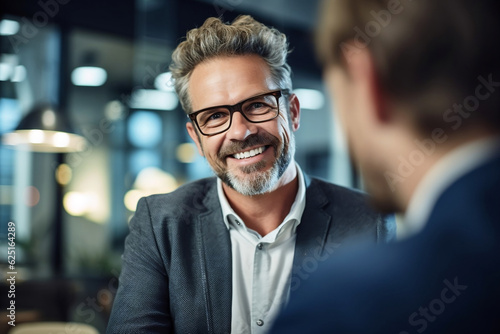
{"x": 153, "y": 178}
{"x": 75, "y": 203}
{"x": 186, "y": 153}
{"x": 79, "y": 203}
{"x": 61, "y": 139}
{"x": 132, "y": 197}
{"x": 36, "y": 136}
{"x": 150, "y": 181}
{"x": 64, "y": 173}
{"x": 49, "y": 118}
{"x": 114, "y": 110}
{"x": 45, "y": 141}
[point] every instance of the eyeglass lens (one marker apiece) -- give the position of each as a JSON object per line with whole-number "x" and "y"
{"x": 257, "y": 109}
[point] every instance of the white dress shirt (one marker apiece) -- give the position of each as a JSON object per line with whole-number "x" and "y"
{"x": 446, "y": 171}
{"x": 261, "y": 266}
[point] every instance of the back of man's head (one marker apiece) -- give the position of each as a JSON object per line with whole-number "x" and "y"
{"x": 428, "y": 54}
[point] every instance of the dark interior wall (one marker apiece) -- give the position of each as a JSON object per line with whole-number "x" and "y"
{"x": 120, "y": 17}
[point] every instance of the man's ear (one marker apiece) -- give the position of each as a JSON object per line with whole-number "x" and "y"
{"x": 294, "y": 106}
{"x": 195, "y": 136}
{"x": 362, "y": 70}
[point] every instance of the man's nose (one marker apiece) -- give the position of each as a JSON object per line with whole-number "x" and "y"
{"x": 240, "y": 128}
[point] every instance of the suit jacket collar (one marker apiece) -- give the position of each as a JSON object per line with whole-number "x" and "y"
{"x": 312, "y": 233}
{"x": 214, "y": 244}
{"x": 450, "y": 168}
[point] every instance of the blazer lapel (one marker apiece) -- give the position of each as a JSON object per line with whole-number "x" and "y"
{"x": 214, "y": 244}
{"x": 312, "y": 234}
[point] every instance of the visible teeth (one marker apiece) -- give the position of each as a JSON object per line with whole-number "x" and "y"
{"x": 249, "y": 154}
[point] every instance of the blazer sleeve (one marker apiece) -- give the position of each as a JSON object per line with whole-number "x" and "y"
{"x": 142, "y": 301}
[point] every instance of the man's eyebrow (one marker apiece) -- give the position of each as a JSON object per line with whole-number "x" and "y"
{"x": 230, "y": 105}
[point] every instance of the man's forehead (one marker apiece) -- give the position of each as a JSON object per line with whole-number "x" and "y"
{"x": 228, "y": 80}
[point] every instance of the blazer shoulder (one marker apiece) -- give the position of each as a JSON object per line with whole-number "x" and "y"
{"x": 351, "y": 209}
{"x": 202, "y": 186}
{"x": 194, "y": 196}
{"x": 339, "y": 193}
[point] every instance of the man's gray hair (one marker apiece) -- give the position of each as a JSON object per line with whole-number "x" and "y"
{"x": 245, "y": 36}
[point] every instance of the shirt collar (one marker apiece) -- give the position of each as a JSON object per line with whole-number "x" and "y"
{"x": 446, "y": 171}
{"x": 295, "y": 211}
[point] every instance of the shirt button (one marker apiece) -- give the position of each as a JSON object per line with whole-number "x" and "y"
{"x": 260, "y": 322}
{"x": 238, "y": 222}
{"x": 259, "y": 246}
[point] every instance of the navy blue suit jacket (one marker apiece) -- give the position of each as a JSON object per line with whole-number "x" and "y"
{"x": 177, "y": 267}
{"x": 444, "y": 280}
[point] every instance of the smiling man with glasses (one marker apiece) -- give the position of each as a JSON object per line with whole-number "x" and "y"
{"x": 221, "y": 255}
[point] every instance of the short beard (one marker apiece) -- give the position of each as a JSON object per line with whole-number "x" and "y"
{"x": 257, "y": 182}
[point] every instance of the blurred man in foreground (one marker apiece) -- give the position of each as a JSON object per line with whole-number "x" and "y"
{"x": 417, "y": 88}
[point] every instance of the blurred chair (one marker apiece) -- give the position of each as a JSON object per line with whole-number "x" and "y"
{"x": 53, "y": 328}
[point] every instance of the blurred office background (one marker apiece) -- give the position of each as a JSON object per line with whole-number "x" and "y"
{"x": 71, "y": 210}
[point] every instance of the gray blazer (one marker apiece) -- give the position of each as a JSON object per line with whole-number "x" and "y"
{"x": 176, "y": 274}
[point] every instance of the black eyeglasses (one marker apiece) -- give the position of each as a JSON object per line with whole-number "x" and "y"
{"x": 257, "y": 109}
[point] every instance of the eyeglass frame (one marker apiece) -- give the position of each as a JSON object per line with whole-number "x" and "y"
{"x": 238, "y": 107}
